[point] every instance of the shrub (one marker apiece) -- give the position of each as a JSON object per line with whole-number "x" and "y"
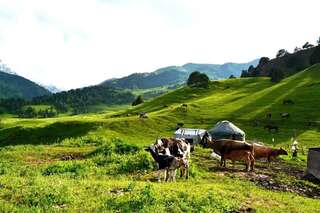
{"x": 105, "y": 150}
{"x": 71, "y": 168}
{"x": 138, "y": 101}
{"x": 122, "y": 147}
{"x": 198, "y": 79}
{"x": 140, "y": 162}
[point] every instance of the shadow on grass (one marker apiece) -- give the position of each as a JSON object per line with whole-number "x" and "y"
{"x": 45, "y": 135}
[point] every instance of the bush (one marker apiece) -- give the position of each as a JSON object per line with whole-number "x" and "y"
{"x": 138, "y": 101}
{"x": 121, "y": 147}
{"x": 105, "y": 150}
{"x": 198, "y": 79}
{"x": 71, "y": 168}
{"x": 140, "y": 162}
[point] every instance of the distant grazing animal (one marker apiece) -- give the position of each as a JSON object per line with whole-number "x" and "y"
{"x": 271, "y": 127}
{"x": 285, "y": 115}
{"x": 287, "y": 101}
{"x": 167, "y": 164}
{"x": 143, "y": 115}
{"x": 184, "y": 107}
{"x": 241, "y": 155}
{"x": 165, "y": 106}
{"x": 269, "y": 115}
{"x": 264, "y": 152}
{"x": 224, "y": 146}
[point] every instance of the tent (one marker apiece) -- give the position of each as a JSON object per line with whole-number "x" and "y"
{"x": 193, "y": 136}
{"x": 227, "y": 130}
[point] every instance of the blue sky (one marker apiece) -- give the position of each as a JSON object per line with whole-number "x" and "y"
{"x": 78, "y": 43}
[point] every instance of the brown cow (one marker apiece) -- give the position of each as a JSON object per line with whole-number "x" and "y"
{"x": 241, "y": 155}
{"x": 224, "y": 146}
{"x": 264, "y": 152}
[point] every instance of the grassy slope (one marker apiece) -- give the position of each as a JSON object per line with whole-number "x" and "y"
{"x": 238, "y": 100}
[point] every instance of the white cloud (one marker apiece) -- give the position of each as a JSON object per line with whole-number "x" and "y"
{"x": 76, "y": 43}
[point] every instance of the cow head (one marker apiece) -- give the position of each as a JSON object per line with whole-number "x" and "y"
{"x": 282, "y": 152}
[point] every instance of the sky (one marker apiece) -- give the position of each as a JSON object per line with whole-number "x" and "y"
{"x": 76, "y": 43}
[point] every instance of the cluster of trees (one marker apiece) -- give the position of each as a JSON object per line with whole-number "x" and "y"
{"x": 79, "y": 100}
{"x": 307, "y": 45}
{"x": 197, "y": 79}
{"x": 30, "y": 112}
{"x": 12, "y": 105}
{"x": 285, "y": 63}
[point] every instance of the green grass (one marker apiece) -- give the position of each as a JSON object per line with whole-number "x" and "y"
{"x": 96, "y": 163}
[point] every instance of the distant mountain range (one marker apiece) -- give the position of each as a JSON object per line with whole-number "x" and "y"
{"x": 173, "y": 75}
{"x": 15, "y": 86}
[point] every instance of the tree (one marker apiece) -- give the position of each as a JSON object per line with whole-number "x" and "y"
{"x": 297, "y": 49}
{"x": 307, "y": 45}
{"x": 232, "y": 76}
{"x": 198, "y": 79}
{"x": 138, "y": 101}
{"x": 244, "y": 74}
{"x": 315, "y": 57}
{"x": 318, "y": 41}
{"x": 263, "y": 61}
{"x": 281, "y": 53}
{"x": 276, "y": 75}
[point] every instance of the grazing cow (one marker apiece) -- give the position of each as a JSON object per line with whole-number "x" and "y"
{"x": 285, "y": 115}
{"x": 224, "y": 146}
{"x": 143, "y": 115}
{"x": 287, "y": 101}
{"x": 167, "y": 164}
{"x": 241, "y": 155}
{"x": 178, "y": 148}
{"x": 271, "y": 127}
{"x": 264, "y": 152}
{"x": 269, "y": 115}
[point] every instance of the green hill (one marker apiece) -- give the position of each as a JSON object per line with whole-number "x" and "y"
{"x": 14, "y": 86}
{"x": 96, "y": 162}
{"x": 173, "y": 75}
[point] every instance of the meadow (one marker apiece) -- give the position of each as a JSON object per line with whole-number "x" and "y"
{"x": 95, "y": 162}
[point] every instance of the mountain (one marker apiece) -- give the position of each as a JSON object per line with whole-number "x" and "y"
{"x": 51, "y": 88}
{"x": 288, "y": 63}
{"x": 177, "y": 75}
{"x": 15, "y": 86}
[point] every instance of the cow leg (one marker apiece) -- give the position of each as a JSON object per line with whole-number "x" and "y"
{"x": 181, "y": 172}
{"x": 252, "y": 163}
{"x": 174, "y": 175}
{"x": 159, "y": 175}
